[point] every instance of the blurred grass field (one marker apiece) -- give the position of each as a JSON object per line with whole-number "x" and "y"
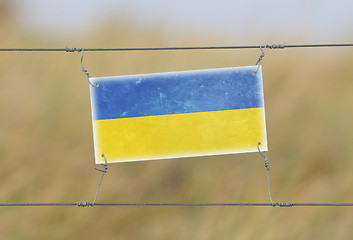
{"x": 47, "y": 145}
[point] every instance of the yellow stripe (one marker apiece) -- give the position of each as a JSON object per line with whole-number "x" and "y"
{"x": 180, "y": 135}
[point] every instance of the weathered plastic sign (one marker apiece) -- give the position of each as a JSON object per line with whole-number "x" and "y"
{"x": 178, "y": 114}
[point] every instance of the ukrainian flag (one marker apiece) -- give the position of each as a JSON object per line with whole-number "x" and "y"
{"x": 178, "y": 114}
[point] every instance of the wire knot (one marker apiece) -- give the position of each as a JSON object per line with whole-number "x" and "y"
{"x": 262, "y": 55}
{"x": 84, "y": 204}
{"x": 263, "y": 49}
{"x": 260, "y": 59}
{"x": 276, "y": 46}
{"x": 283, "y": 204}
{"x": 84, "y": 70}
{"x": 68, "y": 49}
{"x": 263, "y": 154}
{"x": 267, "y": 164}
{"x": 105, "y": 164}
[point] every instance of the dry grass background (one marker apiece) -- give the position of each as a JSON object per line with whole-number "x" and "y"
{"x": 47, "y": 147}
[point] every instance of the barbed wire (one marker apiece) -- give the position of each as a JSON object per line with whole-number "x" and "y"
{"x": 269, "y": 46}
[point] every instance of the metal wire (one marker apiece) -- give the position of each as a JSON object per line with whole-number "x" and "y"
{"x": 35, "y": 204}
{"x": 263, "y": 154}
{"x": 86, "y": 204}
{"x": 258, "y": 64}
{"x": 103, "y": 172}
{"x": 271, "y": 46}
{"x": 82, "y": 67}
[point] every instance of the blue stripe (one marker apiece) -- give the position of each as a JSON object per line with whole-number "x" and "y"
{"x": 176, "y": 92}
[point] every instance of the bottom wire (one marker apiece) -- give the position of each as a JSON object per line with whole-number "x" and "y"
{"x": 84, "y": 204}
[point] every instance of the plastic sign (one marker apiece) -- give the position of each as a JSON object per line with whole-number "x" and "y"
{"x": 178, "y": 114}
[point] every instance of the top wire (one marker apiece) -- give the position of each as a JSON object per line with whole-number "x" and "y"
{"x": 272, "y": 46}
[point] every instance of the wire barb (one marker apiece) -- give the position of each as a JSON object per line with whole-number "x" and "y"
{"x": 263, "y": 154}
{"x": 103, "y": 172}
{"x": 83, "y": 69}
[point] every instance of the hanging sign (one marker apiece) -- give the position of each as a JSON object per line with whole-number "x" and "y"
{"x": 178, "y": 114}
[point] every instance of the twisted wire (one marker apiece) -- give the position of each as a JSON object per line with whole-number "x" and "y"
{"x": 82, "y": 67}
{"x": 263, "y": 154}
{"x": 88, "y": 204}
{"x": 270, "y": 46}
{"x": 103, "y": 172}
